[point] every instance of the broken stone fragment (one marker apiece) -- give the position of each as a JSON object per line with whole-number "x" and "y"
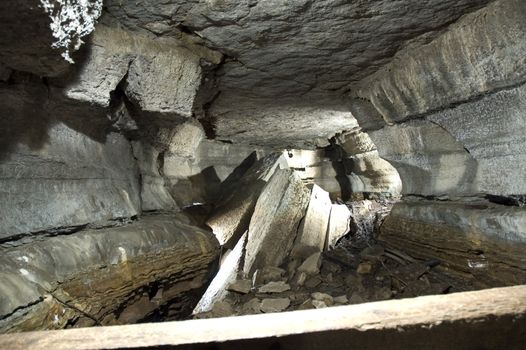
{"x": 227, "y": 274}
{"x": 274, "y": 287}
{"x": 311, "y": 265}
{"x": 253, "y": 306}
{"x": 313, "y": 229}
{"x": 267, "y": 274}
{"x": 222, "y": 309}
{"x": 356, "y": 299}
{"x": 342, "y": 299}
{"x": 276, "y": 216}
{"x": 237, "y": 199}
{"x": 313, "y": 282}
{"x": 274, "y": 305}
{"x": 326, "y": 298}
{"x": 240, "y": 286}
{"x": 299, "y": 279}
{"x": 385, "y": 293}
{"x": 364, "y": 268}
{"x": 318, "y": 304}
{"x": 306, "y": 305}
{"x": 339, "y": 224}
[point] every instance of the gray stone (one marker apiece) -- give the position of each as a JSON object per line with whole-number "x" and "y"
{"x": 356, "y": 299}
{"x": 299, "y": 279}
{"x": 154, "y": 194}
{"x": 273, "y": 225}
{"x": 267, "y": 274}
{"x": 493, "y": 131}
{"x": 313, "y": 282}
{"x": 319, "y": 304}
{"x": 312, "y": 232}
{"x": 366, "y": 171}
{"x": 64, "y": 180}
{"x": 311, "y": 121}
{"x": 198, "y": 178}
{"x": 481, "y": 52}
{"x": 324, "y": 297}
{"x": 364, "y": 268}
{"x": 342, "y": 299}
{"x": 274, "y": 287}
{"x": 339, "y": 224}
{"x": 238, "y": 198}
{"x": 253, "y": 306}
{"x": 93, "y": 269}
{"x": 287, "y": 33}
{"x": 467, "y": 238}
{"x": 274, "y": 305}
{"x": 222, "y": 309}
{"x": 240, "y": 286}
{"x": 311, "y": 265}
{"x": 430, "y": 160}
{"x": 372, "y": 252}
{"x": 227, "y": 274}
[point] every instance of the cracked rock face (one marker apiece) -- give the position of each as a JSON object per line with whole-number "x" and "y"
{"x": 298, "y": 51}
{"x": 289, "y": 48}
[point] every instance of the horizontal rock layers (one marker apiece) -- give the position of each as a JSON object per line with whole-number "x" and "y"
{"x": 483, "y": 242}
{"x": 448, "y": 113}
{"x": 109, "y": 276}
{"x": 482, "y": 52}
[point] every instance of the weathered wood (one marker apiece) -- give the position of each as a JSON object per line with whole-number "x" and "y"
{"x": 482, "y": 242}
{"x": 488, "y": 319}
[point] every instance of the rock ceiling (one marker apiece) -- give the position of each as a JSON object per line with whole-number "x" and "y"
{"x": 289, "y": 48}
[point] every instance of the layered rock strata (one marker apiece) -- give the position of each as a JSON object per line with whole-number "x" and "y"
{"x": 157, "y": 266}
{"x": 480, "y": 241}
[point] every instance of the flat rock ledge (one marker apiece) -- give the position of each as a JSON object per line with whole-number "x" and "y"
{"x": 155, "y": 267}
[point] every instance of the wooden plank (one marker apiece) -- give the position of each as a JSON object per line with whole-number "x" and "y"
{"x": 494, "y": 317}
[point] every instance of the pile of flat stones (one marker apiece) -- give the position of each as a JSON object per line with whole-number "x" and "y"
{"x": 334, "y": 278}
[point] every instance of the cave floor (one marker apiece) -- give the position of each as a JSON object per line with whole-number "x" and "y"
{"x": 348, "y": 274}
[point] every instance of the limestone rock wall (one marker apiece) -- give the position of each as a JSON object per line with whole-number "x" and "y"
{"x": 452, "y": 124}
{"x": 55, "y": 176}
{"x": 109, "y": 276}
{"x": 465, "y": 88}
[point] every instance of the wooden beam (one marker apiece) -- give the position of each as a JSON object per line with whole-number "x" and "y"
{"x": 488, "y": 319}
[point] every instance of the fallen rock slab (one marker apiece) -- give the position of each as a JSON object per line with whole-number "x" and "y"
{"x": 276, "y": 217}
{"x": 311, "y": 265}
{"x": 313, "y": 229}
{"x": 240, "y": 286}
{"x": 339, "y": 224}
{"x": 274, "y": 305}
{"x": 274, "y": 287}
